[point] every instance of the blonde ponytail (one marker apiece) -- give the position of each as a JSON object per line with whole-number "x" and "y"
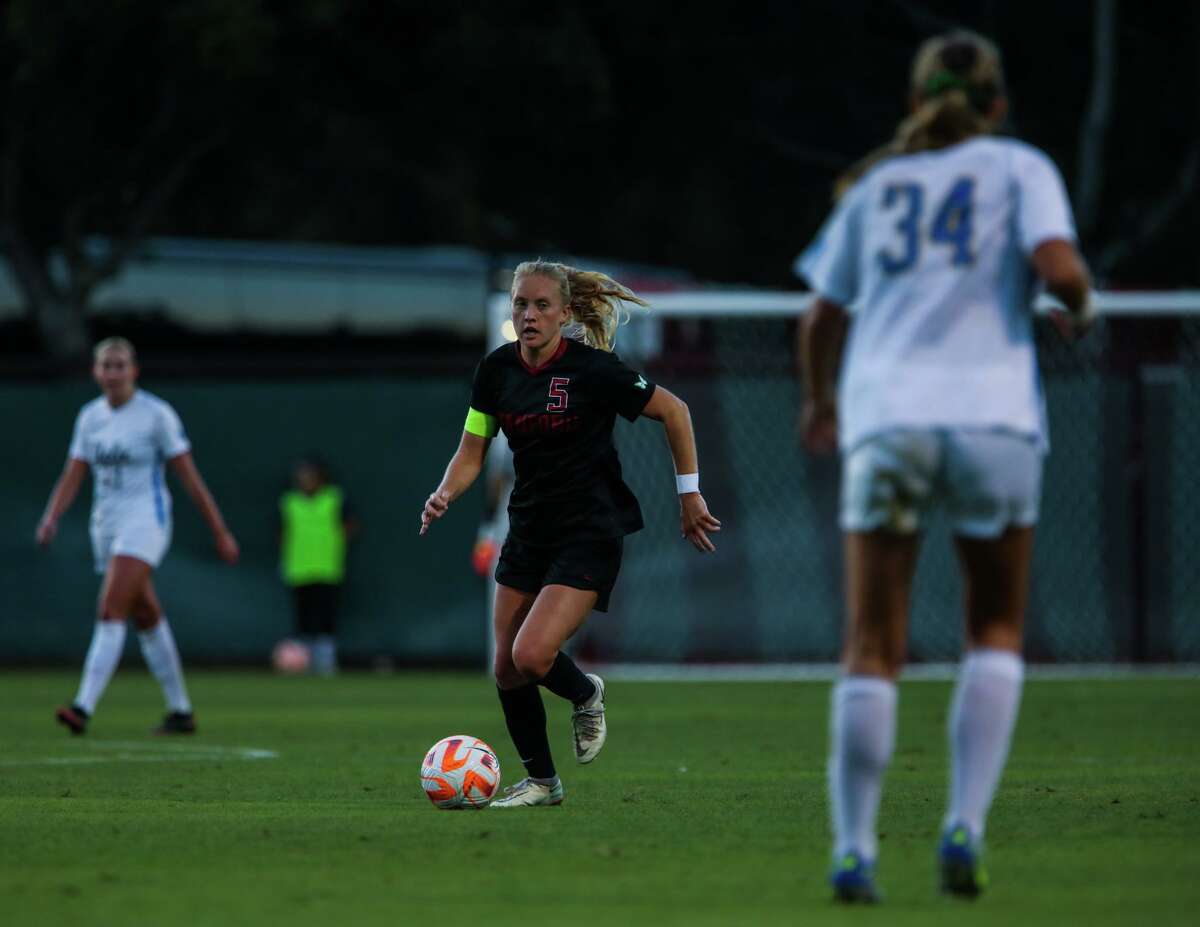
{"x": 955, "y": 80}
{"x": 598, "y": 305}
{"x": 596, "y": 301}
{"x": 939, "y": 122}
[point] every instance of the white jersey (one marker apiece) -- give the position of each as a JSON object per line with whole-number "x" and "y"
{"x": 931, "y": 253}
{"x": 126, "y": 448}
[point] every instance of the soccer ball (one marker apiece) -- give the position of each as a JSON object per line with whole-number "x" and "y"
{"x": 460, "y": 771}
{"x": 290, "y": 657}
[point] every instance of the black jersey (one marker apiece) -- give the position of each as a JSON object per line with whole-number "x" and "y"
{"x": 559, "y": 419}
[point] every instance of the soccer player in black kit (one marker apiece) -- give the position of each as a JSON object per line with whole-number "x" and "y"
{"x": 556, "y": 399}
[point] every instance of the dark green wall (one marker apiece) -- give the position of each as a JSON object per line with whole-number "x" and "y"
{"x": 1114, "y": 571}
{"x": 408, "y": 598}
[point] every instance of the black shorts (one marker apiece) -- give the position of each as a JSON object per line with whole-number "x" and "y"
{"x": 316, "y": 608}
{"x": 590, "y": 565}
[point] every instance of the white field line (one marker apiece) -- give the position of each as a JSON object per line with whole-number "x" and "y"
{"x": 132, "y": 751}
{"x": 823, "y": 672}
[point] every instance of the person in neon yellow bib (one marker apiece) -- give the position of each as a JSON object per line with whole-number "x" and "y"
{"x": 315, "y": 525}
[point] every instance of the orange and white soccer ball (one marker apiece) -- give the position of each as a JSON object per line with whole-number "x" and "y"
{"x": 460, "y": 771}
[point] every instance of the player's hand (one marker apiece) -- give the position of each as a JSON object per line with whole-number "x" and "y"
{"x": 819, "y": 426}
{"x": 46, "y": 530}
{"x": 227, "y": 547}
{"x": 1072, "y": 327}
{"x": 435, "y": 507}
{"x": 695, "y": 521}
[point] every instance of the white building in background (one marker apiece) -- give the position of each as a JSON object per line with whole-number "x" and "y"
{"x": 214, "y": 285}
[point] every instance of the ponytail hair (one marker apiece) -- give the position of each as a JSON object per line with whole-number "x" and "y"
{"x": 595, "y": 300}
{"x": 956, "y": 79}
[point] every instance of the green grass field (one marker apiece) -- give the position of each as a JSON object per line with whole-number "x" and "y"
{"x": 707, "y": 807}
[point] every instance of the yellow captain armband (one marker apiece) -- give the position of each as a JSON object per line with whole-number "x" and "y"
{"x": 480, "y": 423}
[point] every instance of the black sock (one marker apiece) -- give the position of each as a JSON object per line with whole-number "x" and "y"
{"x": 566, "y": 680}
{"x": 525, "y": 716}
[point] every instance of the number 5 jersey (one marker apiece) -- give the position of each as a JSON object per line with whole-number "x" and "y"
{"x": 558, "y": 419}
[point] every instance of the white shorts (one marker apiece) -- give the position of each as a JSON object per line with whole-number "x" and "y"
{"x": 987, "y": 480}
{"x": 143, "y": 539}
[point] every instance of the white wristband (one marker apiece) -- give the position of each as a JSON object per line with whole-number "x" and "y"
{"x": 687, "y": 482}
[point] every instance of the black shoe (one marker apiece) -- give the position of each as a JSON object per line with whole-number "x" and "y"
{"x": 177, "y": 722}
{"x": 73, "y": 717}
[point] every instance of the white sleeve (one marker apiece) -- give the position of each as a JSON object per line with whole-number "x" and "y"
{"x": 78, "y": 449}
{"x": 1043, "y": 210}
{"x": 172, "y": 439}
{"x": 831, "y": 263}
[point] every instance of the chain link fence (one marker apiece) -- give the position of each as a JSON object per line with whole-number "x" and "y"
{"x": 1114, "y": 574}
{"x": 1182, "y": 496}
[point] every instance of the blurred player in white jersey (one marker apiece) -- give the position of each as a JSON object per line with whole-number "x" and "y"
{"x": 124, "y": 437}
{"x": 935, "y": 251}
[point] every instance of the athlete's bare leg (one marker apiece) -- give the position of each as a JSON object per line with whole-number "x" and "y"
{"x": 123, "y": 586}
{"x": 530, "y": 630}
{"x": 508, "y": 614}
{"x": 521, "y": 701}
{"x": 879, "y": 575}
{"x": 557, "y": 613}
{"x": 983, "y": 713}
{"x": 147, "y": 611}
{"x": 996, "y": 588}
{"x": 161, "y": 654}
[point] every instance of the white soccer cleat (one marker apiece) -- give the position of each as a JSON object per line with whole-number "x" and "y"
{"x": 529, "y": 794}
{"x": 588, "y": 721}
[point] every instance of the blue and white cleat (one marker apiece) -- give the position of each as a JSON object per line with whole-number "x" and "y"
{"x": 853, "y": 880}
{"x": 961, "y": 859}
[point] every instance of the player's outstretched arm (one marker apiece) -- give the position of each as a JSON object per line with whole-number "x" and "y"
{"x": 185, "y": 468}
{"x": 822, "y": 334}
{"x": 61, "y": 497}
{"x": 695, "y": 522}
{"x": 461, "y": 472}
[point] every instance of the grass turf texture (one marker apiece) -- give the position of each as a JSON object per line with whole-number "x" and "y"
{"x": 706, "y": 807}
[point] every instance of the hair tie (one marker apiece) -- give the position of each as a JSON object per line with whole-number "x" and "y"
{"x": 980, "y": 96}
{"x": 940, "y": 81}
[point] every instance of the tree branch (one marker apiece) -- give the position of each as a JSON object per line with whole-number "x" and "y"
{"x": 1089, "y": 183}
{"x": 27, "y": 269}
{"x": 146, "y": 212}
{"x": 78, "y": 265}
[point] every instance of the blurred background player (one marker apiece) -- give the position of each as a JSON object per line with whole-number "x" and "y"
{"x": 124, "y": 436}
{"x": 493, "y": 526}
{"x": 556, "y": 400}
{"x": 315, "y": 524}
{"x": 936, "y": 250}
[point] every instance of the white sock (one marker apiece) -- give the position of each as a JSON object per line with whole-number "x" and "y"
{"x": 982, "y": 717}
{"x": 158, "y": 647}
{"x": 862, "y": 734}
{"x": 108, "y": 641}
